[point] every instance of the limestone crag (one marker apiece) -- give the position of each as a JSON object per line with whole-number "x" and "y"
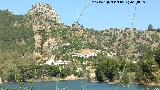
{"x": 43, "y": 14}
{"x": 43, "y": 19}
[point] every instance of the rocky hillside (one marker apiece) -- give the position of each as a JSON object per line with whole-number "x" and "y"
{"x": 54, "y": 39}
{"x": 130, "y": 43}
{"x": 42, "y": 34}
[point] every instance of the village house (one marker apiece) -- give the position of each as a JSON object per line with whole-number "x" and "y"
{"x": 57, "y": 62}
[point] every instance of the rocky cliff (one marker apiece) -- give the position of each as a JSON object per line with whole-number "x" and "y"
{"x": 43, "y": 19}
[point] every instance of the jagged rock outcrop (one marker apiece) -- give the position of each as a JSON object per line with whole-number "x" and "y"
{"x": 43, "y": 15}
{"x": 43, "y": 19}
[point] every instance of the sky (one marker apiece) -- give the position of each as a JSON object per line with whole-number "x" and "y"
{"x": 99, "y": 16}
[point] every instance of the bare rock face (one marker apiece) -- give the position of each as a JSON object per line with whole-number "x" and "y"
{"x": 43, "y": 19}
{"x": 49, "y": 45}
{"x": 38, "y": 40}
{"x": 43, "y": 15}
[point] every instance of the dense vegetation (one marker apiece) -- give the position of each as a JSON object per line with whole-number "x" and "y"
{"x": 16, "y": 43}
{"x": 23, "y": 73}
{"x": 146, "y": 70}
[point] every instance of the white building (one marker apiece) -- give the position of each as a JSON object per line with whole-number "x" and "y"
{"x": 57, "y": 62}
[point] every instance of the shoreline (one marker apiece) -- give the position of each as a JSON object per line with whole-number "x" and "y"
{"x": 45, "y": 80}
{"x": 151, "y": 84}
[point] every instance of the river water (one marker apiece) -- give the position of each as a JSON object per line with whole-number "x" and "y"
{"x": 75, "y": 85}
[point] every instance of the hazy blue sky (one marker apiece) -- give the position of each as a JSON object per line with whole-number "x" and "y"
{"x": 97, "y": 16}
